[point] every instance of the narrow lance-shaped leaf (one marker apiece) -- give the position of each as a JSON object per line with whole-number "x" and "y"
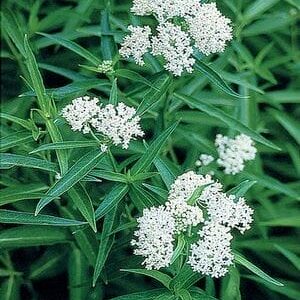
{"x": 27, "y": 236}
{"x": 105, "y": 243}
{"x": 152, "y": 151}
{"x": 113, "y": 97}
{"x": 8, "y": 160}
{"x": 111, "y": 200}
{"x": 18, "y": 217}
{"x": 227, "y": 119}
{"x": 79, "y": 170}
{"x": 74, "y": 47}
{"x": 216, "y": 79}
{"x": 159, "y": 276}
{"x": 83, "y": 202}
{"x": 107, "y": 40}
{"x": 250, "y": 266}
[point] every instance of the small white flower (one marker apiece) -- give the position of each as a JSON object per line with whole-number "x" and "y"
{"x": 154, "y": 237}
{"x": 234, "y": 152}
{"x": 175, "y": 47}
{"x": 119, "y": 123}
{"x": 80, "y": 113}
{"x": 209, "y": 29}
{"x": 211, "y": 255}
{"x": 106, "y": 66}
{"x": 186, "y": 184}
{"x": 103, "y": 147}
{"x": 136, "y": 44}
{"x": 204, "y": 160}
{"x": 185, "y": 215}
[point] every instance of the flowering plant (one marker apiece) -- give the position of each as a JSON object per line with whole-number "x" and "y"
{"x": 149, "y": 150}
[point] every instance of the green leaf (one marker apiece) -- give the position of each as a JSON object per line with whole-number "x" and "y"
{"x": 179, "y": 248}
{"x": 111, "y": 200}
{"x": 15, "y": 139}
{"x": 83, "y": 202}
{"x": 27, "y": 236}
{"x": 78, "y": 171}
{"x": 291, "y": 221}
{"x": 231, "y": 285}
{"x": 49, "y": 264}
{"x": 134, "y": 76}
{"x": 74, "y": 47}
{"x": 107, "y": 40}
{"x": 184, "y": 295}
{"x": 157, "y": 275}
{"x": 158, "y": 90}
{"x": 258, "y": 7}
{"x": 10, "y": 288}
{"x": 185, "y": 278}
{"x": 113, "y": 97}
{"x": 227, "y": 119}
{"x": 65, "y": 145}
{"x": 24, "y": 123}
{"x": 18, "y": 217}
{"x": 105, "y": 243}
{"x": 272, "y": 183}
{"x": 250, "y": 266}
{"x": 292, "y": 257}
{"x": 10, "y": 160}
{"x": 21, "y": 192}
{"x": 215, "y": 78}
{"x": 291, "y": 125}
{"x": 109, "y": 175}
{"x": 36, "y": 78}
{"x": 241, "y": 189}
{"x": 152, "y": 151}
{"x": 146, "y": 295}
{"x": 78, "y": 274}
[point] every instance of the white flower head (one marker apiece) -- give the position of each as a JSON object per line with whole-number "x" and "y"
{"x": 136, "y": 44}
{"x": 185, "y": 215}
{"x": 234, "y": 152}
{"x": 164, "y": 9}
{"x": 211, "y": 255}
{"x": 186, "y": 184}
{"x": 119, "y": 123}
{"x": 209, "y": 29}
{"x": 204, "y": 160}
{"x": 81, "y": 112}
{"x": 154, "y": 237}
{"x": 175, "y": 46}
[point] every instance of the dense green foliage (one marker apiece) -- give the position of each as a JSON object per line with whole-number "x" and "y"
{"x": 78, "y": 245}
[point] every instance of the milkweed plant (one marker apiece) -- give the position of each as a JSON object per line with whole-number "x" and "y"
{"x": 150, "y": 150}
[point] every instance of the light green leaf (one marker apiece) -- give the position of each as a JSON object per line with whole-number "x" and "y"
{"x": 152, "y": 151}
{"x": 241, "y": 189}
{"x": 65, "y": 145}
{"x": 113, "y": 97}
{"x": 227, "y": 119}
{"x": 15, "y": 139}
{"x": 27, "y": 236}
{"x": 159, "y": 276}
{"x": 291, "y": 221}
{"x": 74, "y": 47}
{"x": 10, "y": 160}
{"x": 83, "y": 202}
{"x": 216, "y": 79}
{"x": 77, "y": 172}
{"x": 18, "y": 217}
{"x": 111, "y": 200}
{"x": 258, "y": 7}
{"x": 292, "y": 257}
{"x": 24, "y": 123}
{"x": 250, "y": 266}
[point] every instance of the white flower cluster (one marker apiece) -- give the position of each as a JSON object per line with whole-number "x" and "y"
{"x": 234, "y": 152}
{"x": 137, "y": 43}
{"x": 81, "y": 112}
{"x": 182, "y": 25}
{"x": 106, "y": 66}
{"x": 154, "y": 237}
{"x": 204, "y": 160}
{"x": 211, "y": 254}
{"x": 118, "y": 123}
